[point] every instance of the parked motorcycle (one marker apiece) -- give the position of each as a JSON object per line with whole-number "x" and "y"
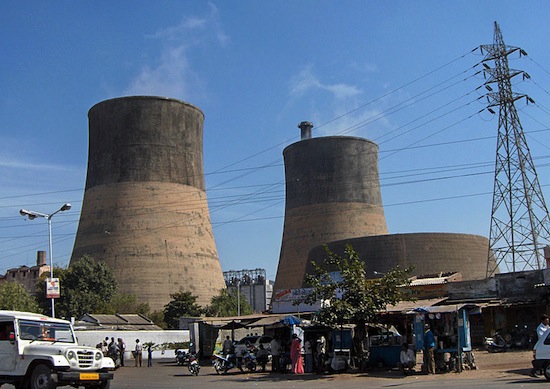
{"x": 521, "y": 337}
{"x": 223, "y": 364}
{"x": 182, "y": 357}
{"x": 193, "y": 365}
{"x": 248, "y": 361}
{"x": 496, "y": 344}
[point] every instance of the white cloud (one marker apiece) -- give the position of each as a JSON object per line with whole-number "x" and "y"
{"x": 173, "y": 74}
{"x": 306, "y": 82}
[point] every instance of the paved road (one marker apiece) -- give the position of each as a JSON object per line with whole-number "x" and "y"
{"x": 167, "y": 375}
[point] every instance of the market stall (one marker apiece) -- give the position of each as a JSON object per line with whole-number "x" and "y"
{"x": 451, "y": 327}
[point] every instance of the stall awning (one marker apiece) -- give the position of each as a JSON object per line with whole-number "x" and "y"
{"x": 405, "y": 306}
{"x": 443, "y": 308}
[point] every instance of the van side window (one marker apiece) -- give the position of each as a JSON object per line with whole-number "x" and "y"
{"x": 5, "y": 328}
{"x": 547, "y": 338}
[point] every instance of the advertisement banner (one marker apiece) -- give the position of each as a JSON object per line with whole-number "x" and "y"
{"x": 52, "y": 288}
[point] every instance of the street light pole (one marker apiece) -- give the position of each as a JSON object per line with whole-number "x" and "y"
{"x": 239, "y": 298}
{"x": 33, "y": 215}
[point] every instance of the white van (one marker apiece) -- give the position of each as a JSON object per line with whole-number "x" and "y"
{"x": 38, "y": 352}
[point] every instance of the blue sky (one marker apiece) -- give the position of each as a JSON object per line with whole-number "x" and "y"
{"x": 401, "y": 73}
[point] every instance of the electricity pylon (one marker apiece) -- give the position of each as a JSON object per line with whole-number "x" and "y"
{"x": 519, "y": 217}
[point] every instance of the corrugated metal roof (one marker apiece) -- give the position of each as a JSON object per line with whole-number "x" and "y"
{"x": 405, "y": 306}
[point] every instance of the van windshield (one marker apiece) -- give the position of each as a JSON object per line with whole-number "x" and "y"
{"x": 45, "y": 331}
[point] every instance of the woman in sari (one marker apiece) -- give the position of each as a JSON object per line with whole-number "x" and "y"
{"x": 296, "y": 355}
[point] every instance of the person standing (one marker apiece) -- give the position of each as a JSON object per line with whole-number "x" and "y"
{"x": 138, "y": 353}
{"x": 296, "y": 355}
{"x": 429, "y": 346}
{"x": 275, "y": 354}
{"x": 227, "y": 346}
{"x": 122, "y": 349}
{"x": 321, "y": 354}
{"x": 309, "y": 356}
{"x": 150, "y": 355}
{"x": 541, "y": 329}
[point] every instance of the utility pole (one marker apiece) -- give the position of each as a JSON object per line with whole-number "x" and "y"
{"x": 519, "y": 216}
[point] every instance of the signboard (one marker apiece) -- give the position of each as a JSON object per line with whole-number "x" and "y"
{"x": 290, "y": 301}
{"x": 52, "y": 288}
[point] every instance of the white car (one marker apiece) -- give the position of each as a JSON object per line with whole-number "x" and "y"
{"x": 252, "y": 343}
{"x": 541, "y": 355}
{"x": 38, "y": 352}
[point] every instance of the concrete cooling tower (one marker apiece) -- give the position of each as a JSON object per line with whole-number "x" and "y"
{"x": 333, "y": 197}
{"x": 145, "y": 211}
{"x": 332, "y": 193}
{"x": 429, "y": 253}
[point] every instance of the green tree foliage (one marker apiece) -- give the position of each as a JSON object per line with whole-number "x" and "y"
{"x": 183, "y": 304}
{"x": 157, "y": 317}
{"x": 126, "y": 303}
{"x": 14, "y": 297}
{"x": 352, "y": 298}
{"x": 226, "y": 304}
{"x": 87, "y": 286}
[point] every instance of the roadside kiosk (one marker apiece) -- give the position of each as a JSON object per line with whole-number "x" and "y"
{"x": 450, "y": 325}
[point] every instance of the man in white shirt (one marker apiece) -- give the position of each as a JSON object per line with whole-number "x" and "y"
{"x": 407, "y": 360}
{"x": 275, "y": 354}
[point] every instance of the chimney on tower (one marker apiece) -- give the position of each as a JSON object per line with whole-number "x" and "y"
{"x": 305, "y": 128}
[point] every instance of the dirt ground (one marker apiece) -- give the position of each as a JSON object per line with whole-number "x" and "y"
{"x": 509, "y": 363}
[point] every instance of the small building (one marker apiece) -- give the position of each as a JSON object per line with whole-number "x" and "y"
{"x": 28, "y": 276}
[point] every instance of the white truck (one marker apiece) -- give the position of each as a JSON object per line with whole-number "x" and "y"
{"x": 40, "y": 352}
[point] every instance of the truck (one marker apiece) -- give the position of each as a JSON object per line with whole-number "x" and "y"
{"x": 41, "y": 352}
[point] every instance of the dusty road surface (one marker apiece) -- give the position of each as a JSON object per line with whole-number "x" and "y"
{"x": 509, "y": 369}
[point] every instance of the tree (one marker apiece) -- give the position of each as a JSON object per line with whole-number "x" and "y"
{"x": 87, "y": 286}
{"x": 126, "y": 303}
{"x": 14, "y": 296}
{"x": 226, "y": 304}
{"x": 183, "y": 304}
{"x": 347, "y": 296}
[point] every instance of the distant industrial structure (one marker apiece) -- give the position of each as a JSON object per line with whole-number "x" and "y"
{"x": 253, "y": 285}
{"x": 28, "y": 276}
{"x": 145, "y": 211}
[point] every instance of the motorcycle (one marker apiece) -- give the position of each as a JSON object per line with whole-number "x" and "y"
{"x": 521, "y": 337}
{"x": 193, "y": 365}
{"x": 496, "y": 344}
{"x": 248, "y": 360}
{"x": 182, "y": 357}
{"x": 223, "y": 364}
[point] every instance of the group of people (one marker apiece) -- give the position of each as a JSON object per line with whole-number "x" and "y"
{"x": 114, "y": 350}
{"x": 315, "y": 356}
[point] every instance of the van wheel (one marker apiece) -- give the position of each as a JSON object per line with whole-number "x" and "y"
{"x": 41, "y": 378}
{"x": 546, "y": 372}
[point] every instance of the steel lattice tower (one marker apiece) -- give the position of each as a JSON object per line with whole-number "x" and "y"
{"x": 519, "y": 217}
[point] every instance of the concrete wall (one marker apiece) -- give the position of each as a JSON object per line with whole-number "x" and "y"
{"x": 92, "y": 338}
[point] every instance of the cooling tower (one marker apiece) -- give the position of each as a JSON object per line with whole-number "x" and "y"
{"x": 429, "y": 253}
{"x": 145, "y": 211}
{"x": 332, "y": 193}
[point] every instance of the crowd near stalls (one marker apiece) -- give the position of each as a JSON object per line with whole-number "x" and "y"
{"x": 334, "y": 349}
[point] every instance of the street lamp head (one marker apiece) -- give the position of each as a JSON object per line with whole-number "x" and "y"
{"x": 66, "y": 207}
{"x": 30, "y": 215}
